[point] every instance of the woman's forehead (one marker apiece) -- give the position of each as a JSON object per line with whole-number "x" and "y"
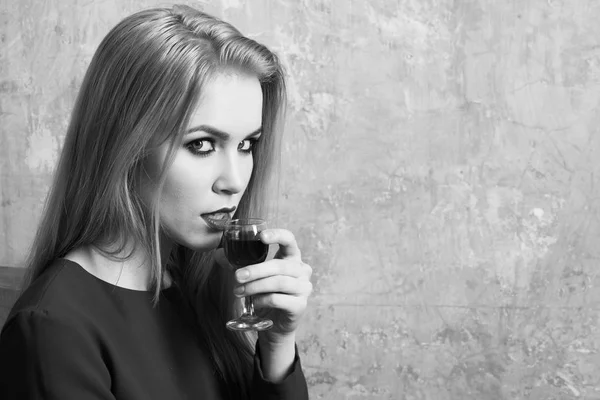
{"x": 231, "y": 103}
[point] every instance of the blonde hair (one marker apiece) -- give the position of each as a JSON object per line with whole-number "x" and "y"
{"x": 142, "y": 84}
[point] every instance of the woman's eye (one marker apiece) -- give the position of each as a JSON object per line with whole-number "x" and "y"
{"x": 201, "y": 146}
{"x": 247, "y": 145}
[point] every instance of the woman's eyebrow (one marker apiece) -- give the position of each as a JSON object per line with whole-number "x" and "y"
{"x": 224, "y": 136}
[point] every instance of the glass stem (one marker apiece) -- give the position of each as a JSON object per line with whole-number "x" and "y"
{"x": 248, "y": 306}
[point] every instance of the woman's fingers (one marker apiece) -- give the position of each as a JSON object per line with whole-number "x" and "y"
{"x": 293, "y": 268}
{"x": 288, "y": 248}
{"x": 275, "y": 284}
{"x": 292, "y": 304}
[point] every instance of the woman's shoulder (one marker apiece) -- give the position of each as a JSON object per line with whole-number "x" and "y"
{"x": 61, "y": 289}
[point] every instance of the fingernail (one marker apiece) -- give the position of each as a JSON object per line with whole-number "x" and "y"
{"x": 266, "y": 235}
{"x": 242, "y": 274}
{"x": 238, "y": 290}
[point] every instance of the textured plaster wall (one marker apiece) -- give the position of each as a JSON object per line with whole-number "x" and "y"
{"x": 440, "y": 172}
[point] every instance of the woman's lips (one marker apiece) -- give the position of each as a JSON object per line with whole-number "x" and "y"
{"x": 216, "y": 220}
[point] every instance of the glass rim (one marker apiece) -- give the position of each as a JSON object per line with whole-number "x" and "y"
{"x": 245, "y": 221}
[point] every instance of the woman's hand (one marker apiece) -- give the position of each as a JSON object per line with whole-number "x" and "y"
{"x": 280, "y": 287}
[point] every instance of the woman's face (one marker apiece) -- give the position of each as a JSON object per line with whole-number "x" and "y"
{"x": 211, "y": 169}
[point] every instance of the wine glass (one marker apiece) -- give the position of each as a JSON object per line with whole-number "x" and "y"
{"x": 243, "y": 248}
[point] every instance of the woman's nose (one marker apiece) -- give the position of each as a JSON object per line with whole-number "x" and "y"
{"x": 231, "y": 179}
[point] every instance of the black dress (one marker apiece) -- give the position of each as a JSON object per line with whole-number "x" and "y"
{"x": 74, "y": 336}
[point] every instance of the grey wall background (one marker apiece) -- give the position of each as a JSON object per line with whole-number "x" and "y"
{"x": 440, "y": 172}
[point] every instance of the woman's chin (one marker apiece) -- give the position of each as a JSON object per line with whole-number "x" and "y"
{"x": 202, "y": 246}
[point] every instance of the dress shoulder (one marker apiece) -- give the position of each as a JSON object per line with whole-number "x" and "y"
{"x": 61, "y": 289}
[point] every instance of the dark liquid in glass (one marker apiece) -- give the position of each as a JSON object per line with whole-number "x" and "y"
{"x": 242, "y": 252}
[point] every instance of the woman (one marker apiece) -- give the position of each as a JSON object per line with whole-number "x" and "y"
{"x": 175, "y": 131}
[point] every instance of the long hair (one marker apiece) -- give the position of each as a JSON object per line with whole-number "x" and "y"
{"x": 140, "y": 89}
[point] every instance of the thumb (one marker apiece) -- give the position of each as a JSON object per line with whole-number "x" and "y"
{"x": 220, "y": 258}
